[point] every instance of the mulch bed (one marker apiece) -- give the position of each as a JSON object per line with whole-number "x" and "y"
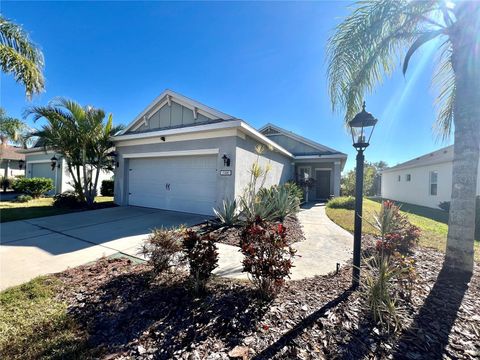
{"x": 231, "y": 235}
{"x": 128, "y": 316}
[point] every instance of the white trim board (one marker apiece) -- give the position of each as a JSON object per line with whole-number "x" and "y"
{"x": 37, "y": 161}
{"x": 172, "y": 153}
{"x": 168, "y": 96}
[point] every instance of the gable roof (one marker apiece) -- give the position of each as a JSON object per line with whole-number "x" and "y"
{"x": 166, "y": 97}
{"x": 267, "y": 129}
{"x": 435, "y": 157}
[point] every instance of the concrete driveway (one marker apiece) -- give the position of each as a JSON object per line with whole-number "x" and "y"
{"x": 34, "y": 247}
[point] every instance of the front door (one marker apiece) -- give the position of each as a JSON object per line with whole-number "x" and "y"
{"x": 322, "y": 184}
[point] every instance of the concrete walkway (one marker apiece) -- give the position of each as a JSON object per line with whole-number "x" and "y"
{"x": 34, "y": 247}
{"x": 326, "y": 244}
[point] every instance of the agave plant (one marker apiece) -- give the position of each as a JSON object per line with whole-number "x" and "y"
{"x": 228, "y": 213}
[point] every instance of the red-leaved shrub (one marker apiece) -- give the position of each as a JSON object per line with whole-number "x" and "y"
{"x": 202, "y": 256}
{"x": 267, "y": 256}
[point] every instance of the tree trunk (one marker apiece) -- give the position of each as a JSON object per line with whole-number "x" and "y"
{"x": 466, "y": 151}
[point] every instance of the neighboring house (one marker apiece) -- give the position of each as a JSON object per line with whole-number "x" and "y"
{"x": 179, "y": 154}
{"x": 38, "y": 163}
{"x": 12, "y": 162}
{"x": 426, "y": 180}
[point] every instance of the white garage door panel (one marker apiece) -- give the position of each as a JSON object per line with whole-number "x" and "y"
{"x": 192, "y": 182}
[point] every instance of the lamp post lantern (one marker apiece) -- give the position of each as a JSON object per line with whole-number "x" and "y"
{"x": 361, "y": 126}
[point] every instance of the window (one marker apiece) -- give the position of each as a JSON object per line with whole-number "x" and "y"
{"x": 304, "y": 172}
{"x": 408, "y": 177}
{"x": 399, "y": 178}
{"x": 433, "y": 182}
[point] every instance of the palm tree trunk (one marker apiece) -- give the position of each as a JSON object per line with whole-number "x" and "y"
{"x": 466, "y": 151}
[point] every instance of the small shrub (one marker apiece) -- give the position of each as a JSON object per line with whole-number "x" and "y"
{"x": 228, "y": 214}
{"x": 23, "y": 198}
{"x": 283, "y": 202}
{"x": 107, "y": 188}
{"x": 6, "y": 183}
{"x": 34, "y": 187}
{"x": 294, "y": 190}
{"x": 267, "y": 256}
{"x": 444, "y": 205}
{"x": 202, "y": 256}
{"x": 262, "y": 209}
{"x": 162, "y": 248}
{"x": 342, "y": 202}
{"x": 67, "y": 199}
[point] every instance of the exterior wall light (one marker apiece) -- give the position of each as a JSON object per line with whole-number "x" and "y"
{"x": 226, "y": 160}
{"x": 21, "y": 163}
{"x": 114, "y": 158}
{"x": 53, "y": 163}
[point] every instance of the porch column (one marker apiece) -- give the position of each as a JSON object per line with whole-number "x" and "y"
{"x": 336, "y": 178}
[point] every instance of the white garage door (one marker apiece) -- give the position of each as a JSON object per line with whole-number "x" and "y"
{"x": 43, "y": 170}
{"x": 181, "y": 183}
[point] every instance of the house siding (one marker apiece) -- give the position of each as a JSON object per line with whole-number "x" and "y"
{"x": 226, "y": 145}
{"x": 293, "y": 146}
{"x": 416, "y": 191}
{"x": 281, "y": 166}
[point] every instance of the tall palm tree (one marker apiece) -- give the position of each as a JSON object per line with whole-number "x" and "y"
{"x": 367, "y": 46}
{"x": 21, "y": 57}
{"x": 81, "y": 136}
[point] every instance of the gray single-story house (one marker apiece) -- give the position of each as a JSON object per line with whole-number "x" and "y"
{"x": 38, "y": 163}
{"x": 179, "y": 154}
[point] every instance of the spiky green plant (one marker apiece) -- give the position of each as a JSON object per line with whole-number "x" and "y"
{"x": 227, "y": 214}
{"x": 367, "y": 46}
{"x": 21, "y": 57}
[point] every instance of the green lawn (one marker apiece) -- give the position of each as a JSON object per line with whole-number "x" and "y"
{"x": 34, "y": 324}
{"x": 11, "y": 210}
{"x": 432, "y": 222}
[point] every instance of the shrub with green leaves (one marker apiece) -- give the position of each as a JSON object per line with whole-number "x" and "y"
{"x": 202, "y": 256}
{"x": 282, "y": 201}
{"x": 294, "y": 190}
{"x": 67, "y": 200}
{"x": 267, "y": 256}
{"x": 23, "y": 198}
{"x": 342, "y": 202}
{"x": 228, "y": 214}
{"x": 163, "y": 248}
{"x": 34, "y": 187}
{"x": 107, "y": 188}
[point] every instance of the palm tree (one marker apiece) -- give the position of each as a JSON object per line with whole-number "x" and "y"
{"x": 22, "y": 58}
{"x": 366, "y": 47}
{"x": 11, "y": 129}
{"x": 80, "y": 135}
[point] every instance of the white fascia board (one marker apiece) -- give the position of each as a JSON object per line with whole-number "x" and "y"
{"x": 313, "y": 157}
{"x": 177, "y": 131}
{"x": 299, "y": 138}
{"x": 172, "y": 153}
{"x": 413, "y": 166}
{"x": 37, "y": 161}
{"x": 182, "y": 100}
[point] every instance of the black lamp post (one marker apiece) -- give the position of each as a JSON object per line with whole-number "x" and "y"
{"x": 361, "y": 126}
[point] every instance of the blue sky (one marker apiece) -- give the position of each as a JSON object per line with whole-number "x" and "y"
{"x": 261, "y": 62}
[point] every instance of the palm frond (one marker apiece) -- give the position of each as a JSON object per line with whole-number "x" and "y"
{"x": 21, "y": 57}
{"x": 444, "y": 82}
{"x": 367, "y": 47}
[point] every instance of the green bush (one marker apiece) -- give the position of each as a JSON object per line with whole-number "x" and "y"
{"x": 67, "y": 199}
{"x": 107, "y": 188}
{"x": 294, "y": 189}
{"x": 6, "y": 183}
{"x": 283, "y": 202}
{"x": 227, "y": 215}
{"x": 34, "y": 187}
{"x": 23, "y": 198}
{"x": 342, "y": 202}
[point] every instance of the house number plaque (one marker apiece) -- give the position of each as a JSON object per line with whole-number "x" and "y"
{"x": 225, "y": 172}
